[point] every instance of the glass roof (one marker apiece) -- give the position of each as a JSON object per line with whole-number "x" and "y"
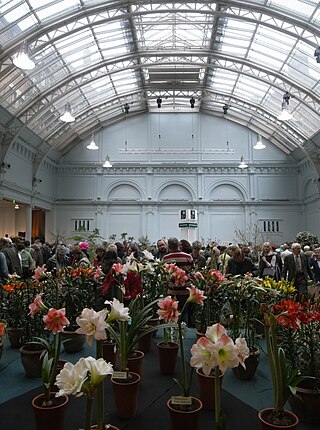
{"x": 98, "y": 55}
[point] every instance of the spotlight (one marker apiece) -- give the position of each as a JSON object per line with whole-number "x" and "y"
{"x": 67, "y": 116}
{"x": 126, "y": 108}
{"x": 192, "y": 102}
{"x": 159, "y": 101}
{"x": 317, "y": 54}
{"x": 225, "y": 109}
{"x": 286, "y": 97}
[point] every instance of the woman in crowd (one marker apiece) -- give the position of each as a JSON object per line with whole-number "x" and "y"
{"x": 270, "y": 263}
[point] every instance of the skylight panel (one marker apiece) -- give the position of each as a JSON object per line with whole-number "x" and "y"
{"x": 45, "y": 10}
{"x": 296, "y": 7}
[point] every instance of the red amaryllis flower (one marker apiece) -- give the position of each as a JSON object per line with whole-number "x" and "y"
{"x": 168, "y": 309}
{"x": 56, "y": 320}
{"x": 133, "y": 285}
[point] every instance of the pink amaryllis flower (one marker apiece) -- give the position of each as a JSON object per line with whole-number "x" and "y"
{"x": 56, "y": 320}
{"x": 168, "y": 309}
{"x": 196, "y": 295}
{"x": 39, "y": 273}
{"x": 203, "y": 355}
{"x": 118, "y": 268}
{"x": 37, "y": 305}
{"x": 92, "y": 324}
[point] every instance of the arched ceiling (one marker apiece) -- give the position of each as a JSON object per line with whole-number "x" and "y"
{"x": 99, "y": 55}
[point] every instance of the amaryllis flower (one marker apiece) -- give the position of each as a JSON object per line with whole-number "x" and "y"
{"x": 168, "y": 309}
{"x": 195, "y": 295}
{"x": 118, "y": 311}
{"x": 243, "y": 350}
{"x": 92, "y": 324}
{"x": 56, "y": 320}
{"x": 71, "y": 378}
{"x": 118, "y": 268}
{"x": 215, "y": 332}
{"x": 179, "y": 276}
{"x": 215, "y": 275}
{"x": 40, "y": 273}
{"x": 203, "y": 356}
{"x": 98, "y": 369}
{"x": 37, "y": 305}
{"x": 226, "y": 353}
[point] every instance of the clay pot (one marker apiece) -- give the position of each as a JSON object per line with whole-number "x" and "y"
{"x": 206, "y": 389}
{"x": 109, "y": 351}
{"x": 52, "y": 417}
{"x": 266, "y": 417}
{"x": 185, "y": 417}
{"x": 126, "y": 395}
{"x": 251, "y": 363}
{"x": 145, "y": 342}
{"x": 135, "y": 362}
{"x": 15, "y": 336}
{"x": 168, "y": 353}
{"x": 31, "y": 360}
{"x": 306, "y": 404}
{"x": 72, "y": 341}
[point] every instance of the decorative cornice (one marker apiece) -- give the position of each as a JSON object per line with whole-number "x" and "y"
{"x": 170, "y": 169}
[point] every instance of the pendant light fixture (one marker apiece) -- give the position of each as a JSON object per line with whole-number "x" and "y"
{"x": 92, "y": 145}
{"x": 285, "y": 115}
{"x": 107, "y": 163}
{"x": 67, "y": 117}
{"x": 259, "y": 144}
{"x": 22, "y": 59}
{"x": 242, "y": 164}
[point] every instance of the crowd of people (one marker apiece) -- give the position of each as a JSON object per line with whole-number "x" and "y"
{"x": 288, "y": 261}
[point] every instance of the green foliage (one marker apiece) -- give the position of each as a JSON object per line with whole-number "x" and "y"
{"x": 306, "y": 238}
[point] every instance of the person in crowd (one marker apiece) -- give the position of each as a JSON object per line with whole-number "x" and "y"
{"x": 214, "y": 261}
{"x": 39, "y": 257}
{"x": 120, "y": 250}
{"x": 46, "y": 252}
{"x": 162, "y": 249}
{"x": 4, "y": 272}
{"x": 255, "y": 254}
{"x": 199, "y": 260}
{"x": 184, "y": 261}
{"x": 285, "y": 251}
{"x": 308, "y": 251}
{"x": 270, "y": 263}
{"x": 185, "y": 246}
{"x": 78, "y": 257}
{"x": 31, "y": 251}
{"x": 84, "y": 246}
{"x": 134, "y": 249}
{"x": 296, "y": 268}
{"x": 314, "y": 263}
{"x": 59, "y": 260}
{"x": 238, "y": 264}
{"x": 12, "y": 256}
{"x": 27, "y": 262}
{"x": 113, "y": 247}
{"x": 109, "y": 259}
{"x": 100, "y": 252}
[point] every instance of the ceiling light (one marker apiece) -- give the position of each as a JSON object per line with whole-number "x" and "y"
{"x": 92, "y": 145}
{"x": 259, "y": 144}
{"x": 107, "y": 163}
{"x": 22, "y": 59}
{"x": 67, "y": 117}
{"x": 16, "y": 206}
{"x": 242, "y": 164}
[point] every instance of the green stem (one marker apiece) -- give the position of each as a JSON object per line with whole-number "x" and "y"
{"x": 123, "y": 352}
{"x": 217, "y": 399}
{"x": 57, "y": 347}
{"x": 88, "y": 415}
{"x": 100, "y": 390}
{"x": 183, "y": 362}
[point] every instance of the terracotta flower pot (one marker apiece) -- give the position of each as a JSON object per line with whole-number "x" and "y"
{"x": 306, "y": 404}
{"x": 185, "y": 417}
{"x": 109, "y": 351}
{"x": 269, "y": 420}
{"x": 135, "y": 362}
{"x": 52, "y": 417}
{"x": 31, "y": 360}
{"x": 15, "y": 336}
{"x": 251, "y": 363}
{"x": 72, "y": 341}
{"x": 126, "y": 395}
{"x": 206, "y": 389}
{"x": 168, "y": 353}
{"x": 145, "y": 343}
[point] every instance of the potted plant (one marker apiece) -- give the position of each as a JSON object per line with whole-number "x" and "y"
{"x": 2, "y": 333}
{"x": 299, "y": 327}
{"x": 184, "y": 409}
{"x": 83, "y": 378}
{"x": 214, "y": 353}
{"x": 284, "y": 381}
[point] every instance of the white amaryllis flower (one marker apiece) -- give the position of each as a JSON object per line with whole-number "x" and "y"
{"x": 92, "y": 324}
{"x": 118, "y": 311}
{"x": 203, "y": 355}
{"x": 148, "y": 255}
{"x": 215, "y": 332}
{"x": 243, "y": 349}
{"x": 226, "y": 353}
{"x": 98, "y": 369}
{"x": 71, "y": 378}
